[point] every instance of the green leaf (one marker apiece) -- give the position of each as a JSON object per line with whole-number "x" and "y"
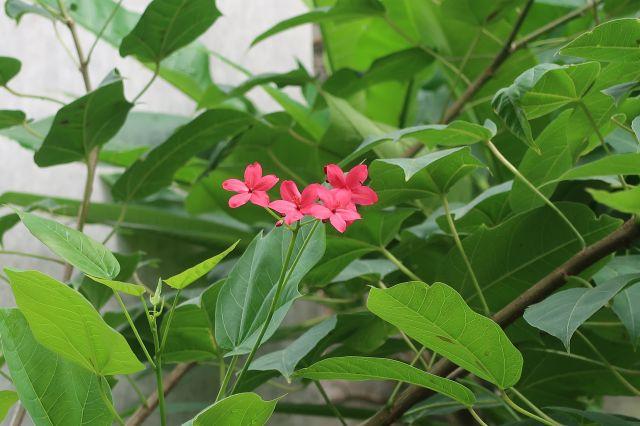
{"x": 242, "y": 409}
{"x": 54, "y": 391}
{"x": 127, "y": 288}
{"x": 244, "y": 298}
{"x": 16, "y": 9}
{"x": 403, "y": 179}
{"x": 187, "y": 277}
{"x": 9, "y": 68}
{"x": 357, "y": 368}
{"x": 343, "y": 10}
{"x": 190, "y": 335}
{"x": 79, "y": 250}
{"x": 7, "y": 399}
{"x": 612, "y": 41}
{"x": 312, "y": 123}
{"x": 166, "y": 26}
{"x": 438, "y": 318}
{"x": 65, "y": 322}
{"x": 563, "y": 312}
{"x": 626, "y": 201}
{"x": 154, "y": 172}
{"x": 285, "y": 360}
{"x": 84, "y": 124}
{"x": 10, "y": 118}
{"x": 454, "y": 134}
{"x": 611, "y": 165}
{"x": 375, "y": 268}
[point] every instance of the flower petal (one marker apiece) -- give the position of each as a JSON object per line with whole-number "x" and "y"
{"x": 293, "y": 217}
{"x": 327, "y": 197}
{"x": 357, "y": 176}
{"x": 289, "y": 191}
{"x": 335, "y": 176}
{"x": 364, "y": 196}
{"x": 235, "y": 185}
{"x": 310, "y": 194}
{"x": 318, "y": 211}
{"x": 260, "y": 198}
{"x": 252, "y": 174}
{"x": 338, "y": 223}
{"x": 265, "y": 183}
{"x": 282, "y": 206}
{"x": 342, "y": 197}
{"x": 239, "y": 199}
{"x": 348, "y": 214}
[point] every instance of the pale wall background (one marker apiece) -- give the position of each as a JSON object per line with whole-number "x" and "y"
{"x": 48, "y": 70}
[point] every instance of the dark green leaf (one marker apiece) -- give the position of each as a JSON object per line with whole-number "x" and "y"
{"x": 190, "y": 335}
{"x": 10, "y": 118}
{"x": 9, "y": 68}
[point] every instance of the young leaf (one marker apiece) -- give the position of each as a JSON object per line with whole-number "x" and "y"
{"x": 66, "y": 323}
{"x": 563, "y": 312}
{"x": 244, "y": 299}
{"x": 611, "y": 165}
{"x": 612, "y": 41}
{"x": 285, "y": 360}
{"x": 53, "y": 390}
{"x": 166, "y": 26}
{"x": 9, "y": 68}
{"x": 403, "y": 179}
{"x": 84, "y": 124}
{"x": 152, "y": 173}
{"x": 7, "y": 399}
{"x": 438, "y": 318}
{"x": 358, "y": 368}
{"x": 127, "y": 288}
{"x": 187, "y": 277}
{"x": 626, "y": 201}
{"x": 79, "y": 250}
{"x": 242, "y": 409}
{"x": 10, "y": 118}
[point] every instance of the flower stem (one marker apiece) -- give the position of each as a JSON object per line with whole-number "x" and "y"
{"x": 399, "y": 264}
{"x": 494, "y": 150}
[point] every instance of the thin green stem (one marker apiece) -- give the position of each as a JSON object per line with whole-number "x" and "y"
{"x": 609, "y": 367}
{"x": 329, "y": 402}
{"x": 6, "y": 376}
{"x": 399, "y": 264}
{"x": 31, "y": 255}
{"x": 30, "y": 96}
{"x": 526, "y": 413}
{"x": 103, "y": 29}
{"x": 494, "y": 150}
{"x": 531, "y": 405}
{"x": 158, "y": 369}
{"x": 476, "y": 417}
{"x": 582, "y": 281}
{"x": 226, "y": 379}
{"x": 136, "y": 389}
{"x": 107, "y": 401}
{"x": 134, "y": 328}
{"x": 169, "y": 319}
{"x": 31, "y": 131}
{"x": 467, "y": 262}
{"x": 156, "y": 71}
{"x": 116, "y": 226}
{"x": 278, "y": 218}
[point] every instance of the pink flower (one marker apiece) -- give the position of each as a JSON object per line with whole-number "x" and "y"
{"x": 294, "y": 206}
{"x": 254, "y": 188}
{"x": 352, "y": 182}
{"x": 342, "y": 210}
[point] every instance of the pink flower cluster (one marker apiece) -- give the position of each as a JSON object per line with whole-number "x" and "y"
{"x": 336, "y": 204}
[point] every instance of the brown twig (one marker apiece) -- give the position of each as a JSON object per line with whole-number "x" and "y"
{"x": 619, "y": 239}
{"x": 169, "y": 382}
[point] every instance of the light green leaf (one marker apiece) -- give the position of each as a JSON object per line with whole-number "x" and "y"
{"x": 9, "y": 68}
{"x": 66, "y": 323}
{"x": 376, "y": 268}
{"x": 357, "y": 368}
{"x": 455, "y": 134}
{"x": 245, "y": 296}
{"x": 242, "y": 409}
{"x": 611, "y": 165}
{"x": 10, "y": 118}
{"x": 127, "y": 288}
{"x": 626, "y": 201}
{"x": 166, "y": 26}
{"x": 53, "y": 390}
{"x": 285, "y": 360}
{"x": 7, "y": 399}
{"x": 563, "y": 312}
{"x": 438, "y": 318}
{"x": 154, "y": 172}
{"x": 402, "y": 179}
{"x": 16, "y": 9}
{"x": 343, "y": 10}
{"x": 187, "y": 277}
{"x": 84, "y": 124}
{"x": 79, "y": 250}
{"x": 612, "y": 41}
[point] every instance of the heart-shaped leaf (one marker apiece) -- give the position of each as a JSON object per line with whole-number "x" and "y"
{"x": 242, "y": 409}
